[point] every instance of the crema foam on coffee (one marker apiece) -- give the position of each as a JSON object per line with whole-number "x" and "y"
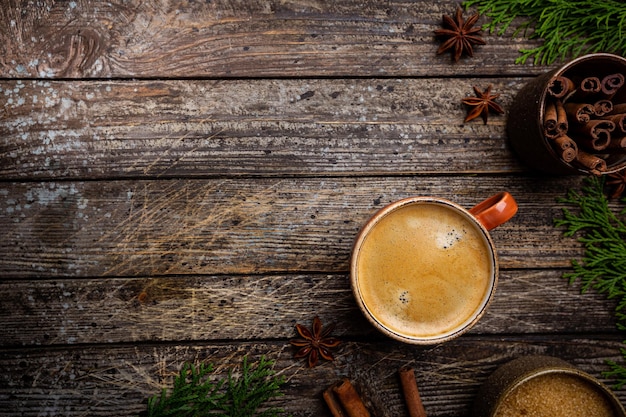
{"x": 424, "y": 270}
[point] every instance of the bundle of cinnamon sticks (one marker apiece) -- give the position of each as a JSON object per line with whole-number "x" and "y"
{"x": 584, "y": 120}
{"x": 343, "y": 400}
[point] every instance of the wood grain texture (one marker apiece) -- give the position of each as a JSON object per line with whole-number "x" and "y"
{"x": 157, "y": 228}
{"x": 235, "y": 38}
{"x": 183, "y": 180}
{"x": 165, "y": 129}
{"x": 92, "y": 311}
{"x": 116, "y": 380}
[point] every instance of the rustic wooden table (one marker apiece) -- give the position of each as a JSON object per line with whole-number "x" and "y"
{"x": 183, "y": 181}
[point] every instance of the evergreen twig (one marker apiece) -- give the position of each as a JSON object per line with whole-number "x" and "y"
{"x": 568, "y": 28}
{"x": 603, "y": 266}
{"x": 196, "y": 394}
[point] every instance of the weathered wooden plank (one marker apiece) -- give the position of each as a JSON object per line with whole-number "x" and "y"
{"x": 260, "y": 307}
{"x": 234, "y": 38}
{"x": 106, "y": 381}
{"x": 238, "y": 226}
{"x": 134, "y": 129}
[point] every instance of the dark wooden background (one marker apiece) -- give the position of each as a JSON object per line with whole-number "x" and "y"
{"x": 183, "y": 180}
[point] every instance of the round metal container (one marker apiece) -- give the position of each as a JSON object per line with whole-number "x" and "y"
{"x": 525, "y": 120}
{"x": 514, "y": 374}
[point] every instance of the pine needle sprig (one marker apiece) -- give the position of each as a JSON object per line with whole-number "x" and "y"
{"x": 189, "y": 392}
{"x": 195, "y": 393}
{"x": 617, "y": 372}
{"x": 568, "y": 28}
{"x": 602, "y": 231}
{"x": 248, "y": 392}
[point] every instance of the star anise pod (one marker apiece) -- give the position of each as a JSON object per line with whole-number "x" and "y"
{"x": 459, "y": 35}
{"x": 618, "y": 182}
{"x": 315, "y": 343}
{"x": 482, "y": 104}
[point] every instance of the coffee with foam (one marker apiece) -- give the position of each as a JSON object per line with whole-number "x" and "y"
{"x": 424, "y": 270}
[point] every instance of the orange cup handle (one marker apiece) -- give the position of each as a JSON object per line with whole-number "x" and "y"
{"x": 495, "y": 210}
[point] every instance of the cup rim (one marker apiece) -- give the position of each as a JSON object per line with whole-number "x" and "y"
{"x": 443, "y": 337}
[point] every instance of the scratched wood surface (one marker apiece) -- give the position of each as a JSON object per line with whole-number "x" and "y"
{"x": 88, "y": 311}
{"x": 112, "y": 379}
{"x": 183, "y": 181}
{"x": 237, "y": 38}
{"x": 243, "y": 226}
{"x": 255, "y": 127}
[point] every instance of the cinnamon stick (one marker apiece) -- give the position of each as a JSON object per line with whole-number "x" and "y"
{"x": 561, "y": 118}
{"x": 555, "y": 119}
{"x": 580, "y": 112}
{"x": 618, "y": 144}
{"x": 549, "y": 118}
{"x": 411, "y": 393}
{"x": 560, "y": 86}
{"x": 595, "y": 134}
{"x": 566, "y": 148}
{"x": 349, "y": 398}
{"x": 587, "y": 86}
{"x": 619, "y": 120}
{"x": 602, "y": 107}
{"x": 619, "y": 108}
{"x": 594, "y": 163}
{"x": 611, "y": 84}
{"x": 333, "y": 403}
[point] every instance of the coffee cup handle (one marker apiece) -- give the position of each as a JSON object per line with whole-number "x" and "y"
{"x": 495, "y": 210}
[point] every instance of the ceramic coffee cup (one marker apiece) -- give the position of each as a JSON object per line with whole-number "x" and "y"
{"x": 424, "y": 269}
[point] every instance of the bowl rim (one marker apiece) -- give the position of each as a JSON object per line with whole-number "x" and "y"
{"x": 523, "y": 369}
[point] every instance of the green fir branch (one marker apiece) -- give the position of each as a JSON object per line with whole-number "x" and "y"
{"x": 617, "y": 372}
{"x": 196, "y": 394}
{"x": 568, "y": 28}
{"x": 602, "y": 231}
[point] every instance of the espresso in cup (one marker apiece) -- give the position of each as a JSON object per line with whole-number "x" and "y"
{"x": 424, "y": 270}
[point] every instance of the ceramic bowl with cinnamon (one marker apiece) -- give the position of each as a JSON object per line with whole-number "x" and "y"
{"x": 572, "y": 120}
